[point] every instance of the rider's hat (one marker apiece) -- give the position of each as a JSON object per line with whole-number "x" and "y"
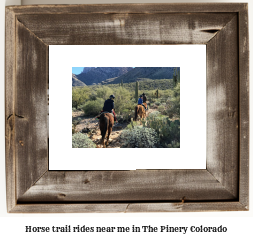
{"x": 140, "y": 95}
{"x": 112, "y": 96}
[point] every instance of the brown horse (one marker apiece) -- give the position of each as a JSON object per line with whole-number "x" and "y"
{"x": 140, "y": 110}
{"x": 106, "y": 122}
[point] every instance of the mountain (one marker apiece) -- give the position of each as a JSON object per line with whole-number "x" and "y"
{"x": 114, "y": 75}
{"x": 139, "y": 73}
{"x": 99, "y": 74}
{"x": 87, "y": 69}
{"x": 76, "y": 81}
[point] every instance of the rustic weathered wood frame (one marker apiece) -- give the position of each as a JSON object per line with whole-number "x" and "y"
{"x": 223, "y": 186}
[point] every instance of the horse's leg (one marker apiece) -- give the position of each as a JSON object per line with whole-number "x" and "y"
{"x": 142, "y": 114}
{"x": 109, "y": 130}
{"x": 139, "y": 112}
{"x": 108, "y": 134}
{"x": 103, "y": 142}
{"x": 103, "y": 125}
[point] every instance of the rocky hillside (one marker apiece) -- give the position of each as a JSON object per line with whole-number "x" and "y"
{"x": 76, "y": 81}
{"x": 139, "y": 73}
{"x": 114, "y": 75}
{"x": 100, "y": 74}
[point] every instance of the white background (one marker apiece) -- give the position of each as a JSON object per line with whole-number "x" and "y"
{"x": 239, "y": 223}
{"x": 192, "y": 151}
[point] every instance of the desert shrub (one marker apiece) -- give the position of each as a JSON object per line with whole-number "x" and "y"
{"x": 161, "y": 108}
{"x": 103, "y": 92}
{"x": 173, "y": 145}
{"x": 93, "y": 96}
{"x": 125, "y": 116}
{"x": 154, "y": 114}
{"x": 132, "y": 124}
{"x": 139, "y": 137}
{"x": 92, "y": 108}
{"x": 168, "y": 131}
{"x": 123, "y": 102}
{"x": 80, "y": 95}
{"x": 73, "y": 129}
{"x": 174, "y": 103}
{"x": 80, "y": 140}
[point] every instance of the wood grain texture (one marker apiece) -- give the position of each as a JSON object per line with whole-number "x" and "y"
{"x": 129, "y": 8}
{"x": 118, "y": 29}
{"x": 140, "y": 185}
{"x": 244, "y": 106}
{"x": 129, "y": 207}
{"x": 223, "y": 186}
{"x": 10, "y": 64}
{"x": 222, "y": 107}
{"x": 30, "y": 108}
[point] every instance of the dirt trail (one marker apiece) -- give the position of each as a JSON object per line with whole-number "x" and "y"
{"x": 90, "y": 125}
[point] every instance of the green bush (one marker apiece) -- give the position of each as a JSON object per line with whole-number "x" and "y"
{"x": 139, "y": 137}
{"x": 132, "y": 124}
{"x": 174, "y": 103}
{"x": 125, "y": 116}
{"x": 79, "y": 95}
{"x": 80, "y": 140}
{"x": 93, "y": 96}
{"x": 161, "y": 108}
{"x": 103, "y": 92}
{"x": 173, "y": 145}
{"x": 168, "y": 131}
{"x": 93, "y": 108}
{"x": 123, "y": 102}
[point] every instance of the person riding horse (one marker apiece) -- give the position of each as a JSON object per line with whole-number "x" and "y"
{"x": 140, "y": 101}
{"x": 144, "y": 97}
{"x": 109, "y": 106}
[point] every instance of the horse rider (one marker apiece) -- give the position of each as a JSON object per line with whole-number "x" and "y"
{"x": 109, "y": 106}
{"x": 140, "y": 101}
{"x": 144, "y": 97}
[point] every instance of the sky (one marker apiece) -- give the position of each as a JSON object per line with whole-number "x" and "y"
{"x": 77, "y": 70}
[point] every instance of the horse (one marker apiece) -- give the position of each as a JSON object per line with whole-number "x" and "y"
{"x": 145, "y": 104}
{"x": 140, "y": 110}
{"x": 106, "y": 122}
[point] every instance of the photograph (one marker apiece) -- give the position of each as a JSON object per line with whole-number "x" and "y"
{"x": 169, "y": 79}
{"x": 126, "y": 107}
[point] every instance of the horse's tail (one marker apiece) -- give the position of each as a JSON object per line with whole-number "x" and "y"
{"x": 136, "y": 113}
{"x": 106, "y": 123}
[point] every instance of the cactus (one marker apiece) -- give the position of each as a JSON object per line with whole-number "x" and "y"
{"x": 136, "y": 91}
{"x": 157, "y": 93}
{"x": 121, "y": 82}
{"x": 176, "y": 77}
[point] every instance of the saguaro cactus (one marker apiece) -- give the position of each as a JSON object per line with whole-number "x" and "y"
{"x": 122, "y": 83}
{"x": 136, "y": 91}
{"x": 176, "y": 77}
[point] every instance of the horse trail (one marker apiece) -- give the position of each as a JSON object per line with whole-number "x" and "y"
{"x": 90, "y": 125}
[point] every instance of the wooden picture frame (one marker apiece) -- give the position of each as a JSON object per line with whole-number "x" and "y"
{"x": 222, "y": 186}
